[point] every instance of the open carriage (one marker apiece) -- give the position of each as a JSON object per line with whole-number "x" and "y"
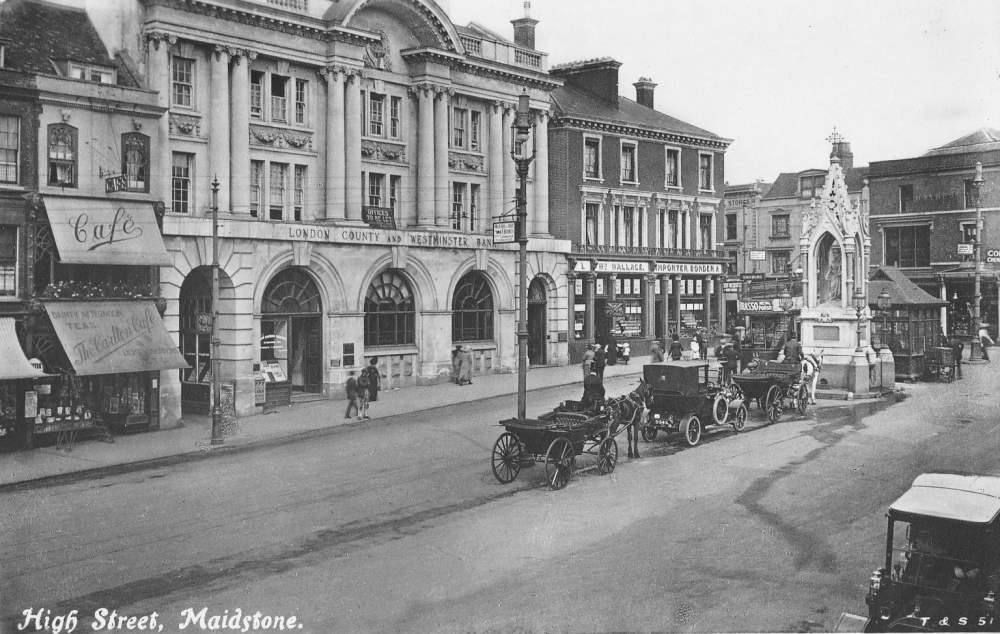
{"x": 682, "y": 399}
{"x": 776, "y": 386}
{"x": 557, "y": 437}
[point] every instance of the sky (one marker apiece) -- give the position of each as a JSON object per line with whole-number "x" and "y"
{"x": 895, "y": 78}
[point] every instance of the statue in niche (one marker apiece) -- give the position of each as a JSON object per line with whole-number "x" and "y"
{"x": 833, "y": 273}
{"x": 829, "y": 269}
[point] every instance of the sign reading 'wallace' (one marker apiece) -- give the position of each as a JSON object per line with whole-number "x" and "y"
{"x": 113, "y": 337}
{"x": 103, "y": 231}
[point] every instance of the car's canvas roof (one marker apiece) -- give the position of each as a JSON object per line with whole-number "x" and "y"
{"x": 954, "y": 497}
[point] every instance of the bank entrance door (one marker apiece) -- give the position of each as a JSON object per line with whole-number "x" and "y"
{"x": 537, "y": 331}
{"x": 291, "y": 330}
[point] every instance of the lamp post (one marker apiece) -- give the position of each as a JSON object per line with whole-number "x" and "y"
{"x": 975, "y": 349}
{"x": 217, "y": 438}
{"x": 520, "y": 134}
{"x": 785, "y": 300}
{"x": 860, "y": 301}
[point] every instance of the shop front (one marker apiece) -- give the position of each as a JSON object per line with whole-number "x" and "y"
{"x": 767, "y": 325}
{"x": 17, "y": 377}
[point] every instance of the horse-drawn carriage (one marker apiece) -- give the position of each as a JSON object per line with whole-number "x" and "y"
{"x": 775, "y": 386}
{"x": 570, "y": 430}
{"x": 682, "y": 399}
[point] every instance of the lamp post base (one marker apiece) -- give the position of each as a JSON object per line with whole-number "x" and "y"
{"x": 976, "y": 351}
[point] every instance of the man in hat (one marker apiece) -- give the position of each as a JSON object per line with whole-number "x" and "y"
{"x": 593, "y": 391}
{"x": 465, "y": 369}
{"x": 730, "y": 362}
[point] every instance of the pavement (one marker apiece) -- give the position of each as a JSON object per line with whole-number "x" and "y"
{"x": 96, "y": 458}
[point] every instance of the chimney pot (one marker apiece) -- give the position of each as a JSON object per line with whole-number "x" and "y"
{"x": 524, "y": 28}
{"x": 644, "y": 92}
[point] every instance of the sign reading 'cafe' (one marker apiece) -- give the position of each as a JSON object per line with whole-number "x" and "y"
{"x": 677, "y": 268}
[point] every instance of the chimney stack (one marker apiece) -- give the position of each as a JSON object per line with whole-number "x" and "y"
{"x": 842, "y": 150}
{"x": 644, "y": 92}
{"x": 524, "y": 28}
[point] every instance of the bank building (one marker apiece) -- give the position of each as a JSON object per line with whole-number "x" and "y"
{"x": 362, "y": 150}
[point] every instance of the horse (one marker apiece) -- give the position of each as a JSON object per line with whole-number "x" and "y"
{"x": 628, "y": 409}
{"x": 811, "y": 365}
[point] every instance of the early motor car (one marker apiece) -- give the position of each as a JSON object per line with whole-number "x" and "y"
{"x": 683, "y": 399}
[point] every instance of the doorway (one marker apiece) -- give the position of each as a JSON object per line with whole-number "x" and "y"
{"x": 291, "y": 327}
{"x": 601, "y": 322}
{"x": 537, "y": 318}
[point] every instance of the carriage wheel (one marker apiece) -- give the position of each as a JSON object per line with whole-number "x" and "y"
{"x": 801, "y": 400}
{"x": 648, "y": 433}
{"x": 607, "y": 456}
{"x": 558, "y": 463}
{"x": 740, "y": 419}
{"x": 735, "y": 392}
{"x": 720, "y": 409}
{"x": 506, "y": 458}
{"x": 772, "y": 403}
{"x": 691, "y": 428}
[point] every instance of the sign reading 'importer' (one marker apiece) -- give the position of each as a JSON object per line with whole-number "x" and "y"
{"x": 114, "y": 337}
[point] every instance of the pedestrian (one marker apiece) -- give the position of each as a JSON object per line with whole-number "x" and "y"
{"x": 593, "y": 391}
{"x": 374, "y": 378}
{"x": 985, "y": 341}
{"x": 353, "y": 402}
{"x": 957, "y": 347}
{"x": 456, "y": 362}
{"x": 656, "y": 352}
{"x": 730, "y": 362}
{"x": 612, "y": 351}
{"x": 675, "y": 351}
{"x": 465, "y": 367}
{"x": 695, "y": 348}
{"x": 364, "y": 393}
{"x": 600, "y": 361}
{"x": 702, "y": 344}
{"x": 588, "y": 361}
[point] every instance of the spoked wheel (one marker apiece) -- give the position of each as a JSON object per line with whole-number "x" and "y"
{"x": 740, "y": 419}
{"x": 558, "y": 463}
{"x": 801, "y": 400}
{"x": 720, "y": 409}
{"x": 648, "y": 433}
{"x": 772, "y": 403}
{"x": 607, "y": 456}
{"x": 506, "y": 458}
{"x": 691, "y": 428}
{"x": 735, "y": 392}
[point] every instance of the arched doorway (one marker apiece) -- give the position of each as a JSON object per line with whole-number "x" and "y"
{"x": 291, "y": 329}
{"x": 537, "y": 318}
{"x": 196, "y": 342}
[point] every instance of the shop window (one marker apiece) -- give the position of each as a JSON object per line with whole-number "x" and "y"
{"x": 135, "y": 161}
{"x": 908, "y": 247}
{"x": 256, "y": 185}
{"x": 180, "y": 189}
{"x": 731, "y": 227}
{"x": 592, "y": 158}
{"x": 390, "y": 311}
{"x": 590, "y": 231}
{"x": 257, "y": 94}
{"x": 628, "y": 174}
{"x": 301, "y": 87}
{"x": 62, "y": 155}
{"x": 779, "y": 226}
{"x": 472, "y": 309}
{"x": 673, "y": 167}
{"x": 279, "y": 98}
{"x": 182, "y": 82}
{"x": 705, "y": 176}
{"x": 196, "y": 301}
{"x": 298, "y": 192}
{"x": 8, "y": 261}
{"x": 10, "y": 147}
{"x": 276, "y": 191}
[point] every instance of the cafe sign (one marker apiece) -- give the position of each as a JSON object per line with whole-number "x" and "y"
{"x": 102, "y": 231}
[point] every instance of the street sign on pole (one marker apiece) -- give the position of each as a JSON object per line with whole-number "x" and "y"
{"x": 505, "y": 232}
{"x": 758, "y": 255}
{"x": 965, "y": 249}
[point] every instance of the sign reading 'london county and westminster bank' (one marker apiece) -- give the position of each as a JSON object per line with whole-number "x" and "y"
{"x": 378, "y": 237}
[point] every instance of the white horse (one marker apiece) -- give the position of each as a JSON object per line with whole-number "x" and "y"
{"x": 811, "y": 366}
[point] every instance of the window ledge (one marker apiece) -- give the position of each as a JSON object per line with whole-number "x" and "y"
{"x": 706, "y": 191}
{"x": 591, "y": 179}
{"x": 373, "y": 351}
{"x": 781, "y": 236}
{"x": 13, "y": 187}
{"x": 674, "y": 187}
{"x": 635, "y": 183}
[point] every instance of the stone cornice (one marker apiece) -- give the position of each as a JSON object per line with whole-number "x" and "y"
{"x": 606, "y": 127}
{"x": 507, "y": 73}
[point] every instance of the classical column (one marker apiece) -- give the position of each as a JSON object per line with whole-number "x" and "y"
{"x": 509, "y": 169}
{"x": 497, "y": 204}
{"x": 425, "y": 157}
{"x": 353, "y": 187}
{"x": 706, "y": 287}
{"x": 218, "y": 126}
{"x": 239, "y": 133}
{"x": 158, "y": 45}
{"x": 649, "y": 310}
{"x": 442, "y": 200}
{"x": 541, "y": 220}
{"x": 612, "y": 292}
{"x": 335, "y": 140}
{"x": 720, "y": 303}
{"x": 665, "y": 306}
{"x": 590, "y": 282}
{"x": 677, "y": 302}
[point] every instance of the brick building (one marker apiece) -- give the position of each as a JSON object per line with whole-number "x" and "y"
{"x": 923, "y": 220}
{"x": 639, "y": 194}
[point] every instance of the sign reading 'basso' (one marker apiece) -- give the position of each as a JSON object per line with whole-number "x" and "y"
{"x": 758, "y": 306}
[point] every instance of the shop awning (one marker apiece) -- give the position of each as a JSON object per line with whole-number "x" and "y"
{"x": 90, "y": 231}
{"x": 113, "y": 337}
{"x": 13, "y": 363}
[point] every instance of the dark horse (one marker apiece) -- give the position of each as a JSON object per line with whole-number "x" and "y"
{"x": 627, "y": 410}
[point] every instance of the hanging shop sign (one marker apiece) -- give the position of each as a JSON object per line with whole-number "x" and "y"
{"x": 993, "y": 256}
{"x": 688, "y": 268}
{"x": 92, "y": 231}
{"x": 732, "y": 287}
{"x": 113, "y": 337}
{"x": 622, "y": 267}
{"x": 751, "y": 277}
{"x": 379, "y": 217}
{"x": 505, "y": 232}
{"x": 758, "y": 306}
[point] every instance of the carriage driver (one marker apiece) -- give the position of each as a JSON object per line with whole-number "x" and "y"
{"x": 593, "y": 392}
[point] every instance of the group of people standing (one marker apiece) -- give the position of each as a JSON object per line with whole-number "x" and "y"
{"x": 461, "y": 365}
{"x": 363, "y": 389}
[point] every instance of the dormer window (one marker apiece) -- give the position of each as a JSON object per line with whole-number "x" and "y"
{"x": 811, "y": 186}
{"x": 92, "y": 73}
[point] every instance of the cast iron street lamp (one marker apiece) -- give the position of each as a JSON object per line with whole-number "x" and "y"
{"x": 217, "y": 438}
{"x": 521, "y": 133}
{"x": 976, "y": 351}
{"x": 860, "y": 302}
{"x": 785, "y": 301}
{"x": 884, "y": 301}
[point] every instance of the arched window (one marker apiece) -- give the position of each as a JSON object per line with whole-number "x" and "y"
{"x": 62, "y": 155}
{"x": 135, "y": 161}
{"x": 291, "y": 292}
{"x": 472, "y": 309}
{"x": 390, "y": 313}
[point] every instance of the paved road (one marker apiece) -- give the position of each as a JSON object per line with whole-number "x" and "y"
{"x": 399, "y": 526}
